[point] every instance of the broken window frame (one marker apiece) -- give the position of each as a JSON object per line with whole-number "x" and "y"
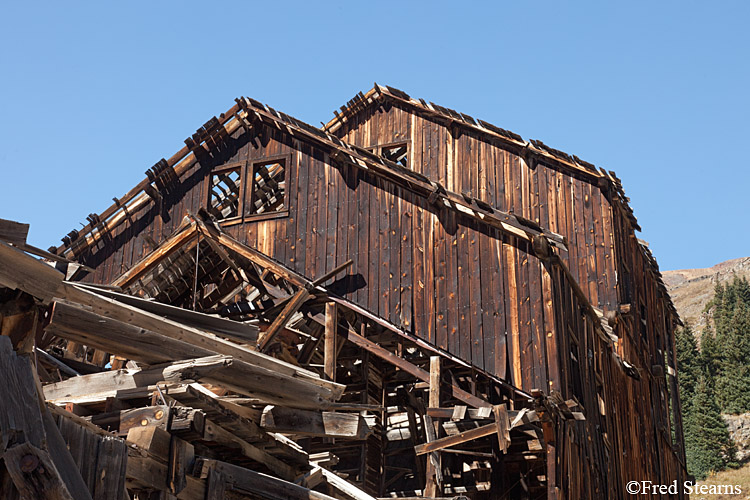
{"x": 251, "y": 168}
{"x": 381, "y": 148}
{"x": 222, "y": 169}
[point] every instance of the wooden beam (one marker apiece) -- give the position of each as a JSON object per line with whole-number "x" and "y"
{"x": 315, "y": 423}
{"x": 223, "y": 371}
{"x": 329, "y": 363}
{"x": 461, "y": 412}
{"x": 213, "y": 433}
{"x": 342, "y": 486}
{"x": 24, "y": 272}
{"x": 183, "y": 237}
{"x": 462, "y": 437}
{"x": 281, "y": 320}
{"x": 503, "y": 426}
{"x": 433, "y": 471}
{"x": 73, "y": 322}
{"x": 409, "y": 368}
{"x": 35, "y": 475}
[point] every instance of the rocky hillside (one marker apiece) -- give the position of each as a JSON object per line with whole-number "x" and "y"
{"x": 691, "y": 289}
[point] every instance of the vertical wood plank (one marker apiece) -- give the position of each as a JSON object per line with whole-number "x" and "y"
{"x": 329, "y": 348}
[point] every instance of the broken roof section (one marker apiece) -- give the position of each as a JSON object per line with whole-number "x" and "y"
{"x": 196, "y": 388}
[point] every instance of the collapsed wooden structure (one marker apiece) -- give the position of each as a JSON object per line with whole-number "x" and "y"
{"x": 407, "y": 302}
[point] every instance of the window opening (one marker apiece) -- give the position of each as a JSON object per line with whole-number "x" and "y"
{"x": 268, "y": 188}
{"x": 224, "y": 201}
{"x": 397, "y": 153}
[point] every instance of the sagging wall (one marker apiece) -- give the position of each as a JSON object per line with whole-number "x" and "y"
{"x": 626, "y": 435}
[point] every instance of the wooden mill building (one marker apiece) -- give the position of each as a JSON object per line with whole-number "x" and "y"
{"x": 476, "y": 305}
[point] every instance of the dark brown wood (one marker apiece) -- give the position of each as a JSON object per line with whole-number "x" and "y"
{"x": 35, "y": 475}
{"x": 291, "y": 307}
{"x": 261, "y": 485}
{"x": 411, "y": 369}
{"x": 13, "y": 232}
{"x": 460, "y": 254}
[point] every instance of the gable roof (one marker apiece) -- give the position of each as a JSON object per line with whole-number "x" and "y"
{"x": 532, "y": 149}
{"x": 248, "y": 114}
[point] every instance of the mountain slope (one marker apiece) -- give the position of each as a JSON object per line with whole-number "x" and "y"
{"x": 691, "y": 289}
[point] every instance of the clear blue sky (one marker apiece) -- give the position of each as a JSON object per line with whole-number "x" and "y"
{"x": 92, "y": 95}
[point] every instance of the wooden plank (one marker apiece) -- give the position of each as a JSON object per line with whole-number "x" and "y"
{"x": 456, "y": 439}
{"x": 315, "y": 423}
{"x": 21, "y": 271}
{"x": 439, "y": 273}
{"x": 503, "y": 426}
{"x": 13, "y": 232}
{"x": 418, "y": 259}
{"x": 224, "y": 371}
{"x": 372, "y": 188}
{"x": 475, "y": 310}
{"x": 550, "y": 331}
{"x": 343, "y": 487}
{"x": 63, "y": 461}
{"x": 22, "y": 419}
{"x": 383, "y": 196}
{"x": 329, "y": 363}
{"x": 125, "y": 313}
{"x": 394, "y": 244}
{"x": 73, "y": 322}
{"x": 291, "y": 307}
{"x": 514, "y": 345}
{"x": 300, "y": 230}
{"x": 432, "y": 482}
{"x": 406, "y": 288}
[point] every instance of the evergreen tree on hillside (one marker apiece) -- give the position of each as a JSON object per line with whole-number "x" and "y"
{"x": 689, "y": 365}
{"x": 708, "y": 446}
{"x": 725, "y": 351}
{"x": 733, "y": 383}
{"x": 710, "y": 355}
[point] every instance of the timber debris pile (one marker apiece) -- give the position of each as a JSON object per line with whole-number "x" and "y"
{"x": 407, "y": 302}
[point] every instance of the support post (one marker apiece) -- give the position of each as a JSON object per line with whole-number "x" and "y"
{"x": 432, "y": 484}
{"x": 330, "y": 340}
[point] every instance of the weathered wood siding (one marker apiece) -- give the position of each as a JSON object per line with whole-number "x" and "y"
{"x": 444, "y": 277}
{"x": 627, "y": 432}
{"x": 466, "y": 162}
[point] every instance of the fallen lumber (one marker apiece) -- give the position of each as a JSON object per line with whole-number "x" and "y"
{"x": 256, "y": 483}
{"x": 315, "y": 423}
{"x": 223, "y": 371}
